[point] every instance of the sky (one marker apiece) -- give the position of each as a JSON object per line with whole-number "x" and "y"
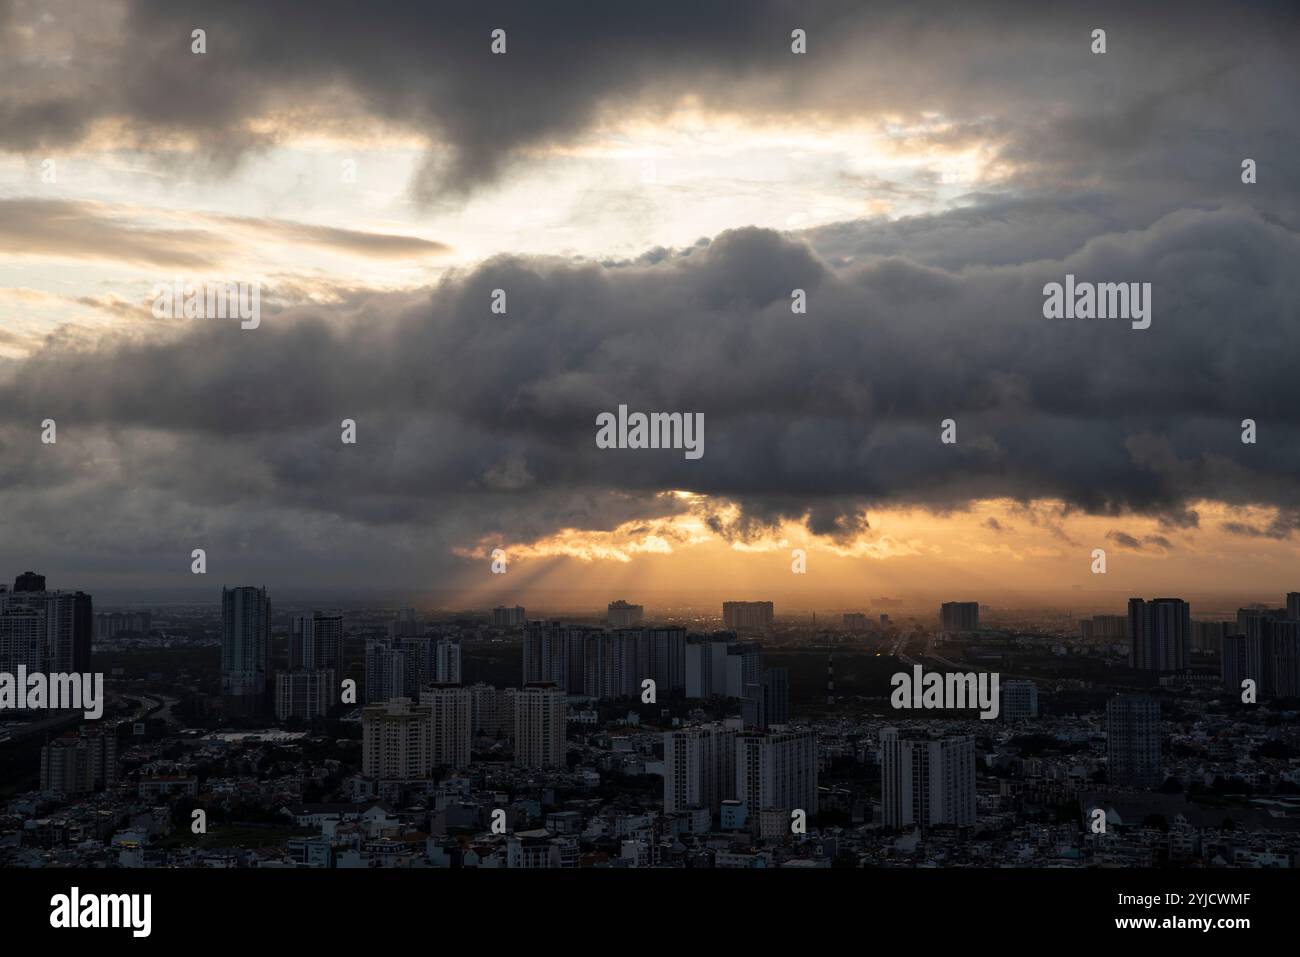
{"x": 648, "y": 184}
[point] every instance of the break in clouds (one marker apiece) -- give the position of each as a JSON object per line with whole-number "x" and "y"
{"x": 477, "y": 427}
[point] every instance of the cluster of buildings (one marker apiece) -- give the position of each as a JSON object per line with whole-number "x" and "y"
{"x": 429, "y": 771}
{"x": 740, "y": 779}
{"x": 44, "y": 631}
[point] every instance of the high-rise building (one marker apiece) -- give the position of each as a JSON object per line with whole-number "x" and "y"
{"x": 1208, "y": 635}
{"x": 855, "y": 621}
{"x": 718, "y": 665}
{"x": 503, "y": 617}
{"x": 79, "y": 763}
{"x": 623, "y": 615}
{"x": 1019, "y": 700}
{"x": 747, "y": 615}
{"x": 776, "y": 696}
{"x": 744, "y": 667}
{"x": 452, "y": 710}
{"x": 547, "y": 657}
{"x": 492, "y": 711}
{"x": 1284, "y": 664}
{"x": 960, "y": 617}
{"x": 777, "y": 771}
{"x": 699, "y": 767}
{"x": 1241, "y": 657}
{"x": 767, "y": 703}
{"x": 392, "y": 669}
{"x": 304, "y": 694}
{"x": 600, "y": 670}
{"x": 316, "y": 642}
{"x": 396, "y": 741}
{"x": 1162, "y": 634}
{"x": 604, "y": 664}
{"x": 446, "y": 657}
{"x": 926, "y": 781}
{"x": 541, "y": 716}
{"x": 69, "y": 623}
{"x": 23, "y": 639}
{"x": 1133, "y": 741}
{"x": 1293, "y": 605}
{"x": 245, "y": 650}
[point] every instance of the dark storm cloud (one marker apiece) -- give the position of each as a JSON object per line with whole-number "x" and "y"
{"x": 1016, "y": 74}
{"x": 483, "y": 425}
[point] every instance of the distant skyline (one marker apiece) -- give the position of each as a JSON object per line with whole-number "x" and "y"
{"x": 649, "y": 187}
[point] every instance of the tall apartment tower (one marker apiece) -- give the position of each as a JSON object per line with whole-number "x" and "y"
{"x": 492, "y": 710}
{"x": 541, "y": 716}
{"x": 396, "y": 741}
{"x": 23, "y": 638}
{"x": 79, "y": 763}
{"x": 1133, "y": 741}
{"x": 446, "y": 662}
{"x": 1284, "y": 667}
{"x": 304, "y": 694}
{"x": 1161, "y": 633}
{"x": 623, "y": 615}
{"x": 927, "y": 781}
{"x": 699, "y": 767}
{"x": 1293, "y": 605}
{"x": 1241, "y": 657}
{"x": 307, "y": 689}
{"x": 547, "y": 656}
{"x": 245, "y": 650}
{"x": 452, "y": 710}
{"x": 959, "y": 617}
{"x": 69, "y": 624}
{"x": 777, "y": 770}
{"x": 747, "y": 615}
{"x": 504, "y": 616}
{"x": 316, "y": 642}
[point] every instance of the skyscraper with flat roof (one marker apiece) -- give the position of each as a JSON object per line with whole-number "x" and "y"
{"x": 245, "y": 651}
{"x": 1161, "y": 632}
{"x": 926, "y": 780}
{"x": 747, "y": 615}
{"x": 959, "y": 617}
{"x": 1133, "y": 741}
{"x": 541, "y": 716}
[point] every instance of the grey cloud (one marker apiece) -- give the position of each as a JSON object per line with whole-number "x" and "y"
{"x": 475, "y": 425}
{"x": 1192, "y": 75}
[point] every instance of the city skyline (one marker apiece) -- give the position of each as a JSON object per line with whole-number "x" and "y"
{"x": 617, "y": 439}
